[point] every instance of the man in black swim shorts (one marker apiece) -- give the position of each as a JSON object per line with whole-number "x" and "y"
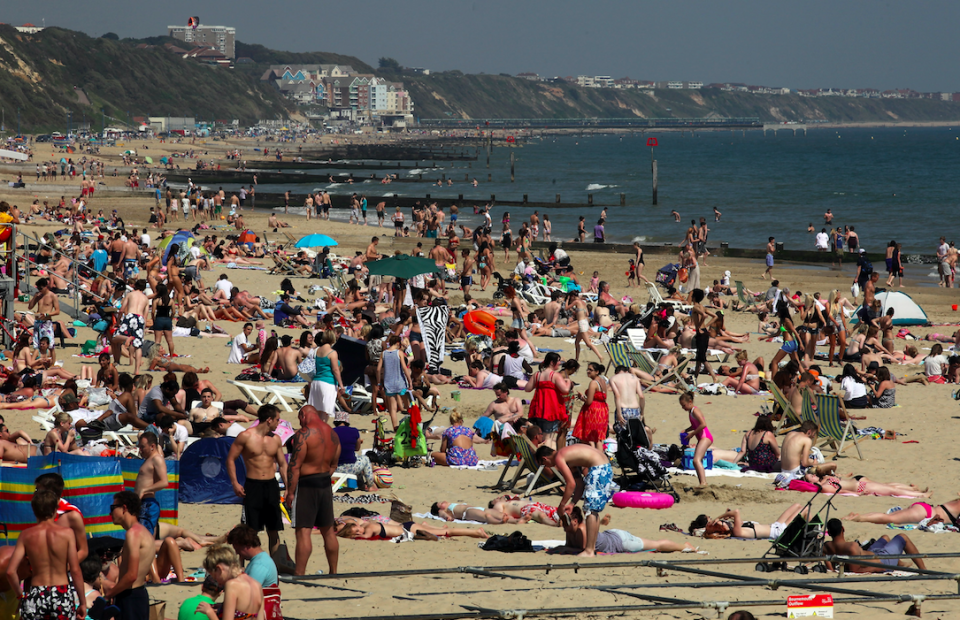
{"x": 314, "y": 451}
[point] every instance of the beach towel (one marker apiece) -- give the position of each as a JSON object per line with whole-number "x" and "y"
{"x": 433, "y": 327}
{"x": 722, "y": 472}
{"x": 482, "y": 465}
{"x": 427, "y": 515}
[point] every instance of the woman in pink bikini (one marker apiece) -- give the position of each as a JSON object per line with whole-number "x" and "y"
{"x": 832, "y": 485}
{"x": 948, "y": 513}
{"x": 698, "y": 428}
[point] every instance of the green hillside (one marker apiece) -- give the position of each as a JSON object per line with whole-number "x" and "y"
{"x": 456, "y": 95}
{"x": 40, "y": 74}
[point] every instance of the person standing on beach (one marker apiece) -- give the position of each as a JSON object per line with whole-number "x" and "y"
{"x": 771, "y": 248}
{"x": 853, "y": 241}
{"x": 702, "y": 233}
{"x": 583, "y": 325}
{"x": 534, "y": 225}
{"x": 51, "y": 551}
{"x": 943, "y": 265}
{"x": 136, "y": 558}
{"x": 262, "y": 453}
{"x": 581, "y": 231}
{"x": 151, "y": 478}
{"x": 598, "y": 234}
{"x": 314, "y": 454}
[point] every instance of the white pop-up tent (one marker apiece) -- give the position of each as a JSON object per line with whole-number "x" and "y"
{"x": 905, "y": 310}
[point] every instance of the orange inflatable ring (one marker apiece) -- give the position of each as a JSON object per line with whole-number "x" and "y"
{"x": 480, "y": 322}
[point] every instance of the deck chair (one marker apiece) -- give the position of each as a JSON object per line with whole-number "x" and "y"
{"x": 499, "y": 486}
{"x": 742, "y": 295}
{"x": 526, "y": 452}
{"x": 837, "y": 431}
{"x": 250, "y": 392}
{"x": 637, "y": 337}
{"x": 790, "y": 418}
{"x": 340, "y": 479}
{"x": 808, "y": 411}
{"x": 283, "y": 267}
{"x": 656, "y": 298}
{"x": 619, "y": 353}
{"x": 283, "y": 393}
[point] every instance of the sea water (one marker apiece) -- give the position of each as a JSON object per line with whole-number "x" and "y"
{"x": 889, "y": 183}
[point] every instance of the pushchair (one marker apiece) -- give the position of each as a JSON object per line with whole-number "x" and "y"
{"x": 667, "y": 275}
{"x": 802, "y": 538}
{"x": 639, "y": 464}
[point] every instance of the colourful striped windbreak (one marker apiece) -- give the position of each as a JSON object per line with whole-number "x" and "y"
{"x": 169, "y": 498}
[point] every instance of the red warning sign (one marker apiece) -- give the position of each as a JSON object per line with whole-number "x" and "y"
{"x": 651, "y": 142}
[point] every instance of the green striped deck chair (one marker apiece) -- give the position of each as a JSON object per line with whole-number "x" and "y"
{"x": 837, "y": 430}
{"x": 808, "y": 410}
{"x": 527, "y": 452}
{"x": 790, "y": 418}
{"x": 741, "y": 294}
{"x": 619, "y": 354}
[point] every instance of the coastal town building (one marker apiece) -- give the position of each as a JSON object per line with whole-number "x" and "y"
{"x": 221, "y": 38}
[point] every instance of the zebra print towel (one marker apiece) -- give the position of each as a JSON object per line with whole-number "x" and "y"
{"x": 433, "y": 326}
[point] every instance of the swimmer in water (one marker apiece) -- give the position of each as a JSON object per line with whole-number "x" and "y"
{"x": 716, "y": 215}
{"x": 676, "y": 216}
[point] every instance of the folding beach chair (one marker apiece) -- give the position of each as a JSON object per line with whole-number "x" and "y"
{"x": 619, "y": 354}
{"x": 742, "y": 296}
{"x": 637, "y": 336}
{"x": 283, "y": 267}
{"x": 808, "y": 411}
{"x": 657, "y": 299}
{"x": 837, "y": 431}
{"x": 499, "y": 486}
{"x": 526, "y": 451}
{"x": 250, "y": 392}
{"x": 340, "y": 479}
{"x": 281, "y": 394}
{"x": 790, "y": 418}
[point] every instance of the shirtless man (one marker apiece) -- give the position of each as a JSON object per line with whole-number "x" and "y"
{"x": 439, "y": 254}
{"x": 628, "y": 395}
{"x": 151, "y": 478}
{"x": 534, "y": 225}
{"x": 771, "y": 248}
{"x": 131, "y": 330}
{"x": 551, "y": 310}
{"x": 262, "y": 453}
{"x": 51, "y": 551}
{"x": 12, "y": 452}
{"x": 371, "y": 253}
{"x": 116, "y": 255}
{"x": 136, "y": 557}
{"x": 107, "y": 376}
{"x": 48, "y": 306}
{"x": 288, "y": 358}
{"x": 131, "y": 258}
{"x": 505, "y": 409}
{"x": 308, "y": 206}
{"x": 452, "y": 511}
{"x": 68, "y": 515}
{"x": 314, "y": 452}
{"x": 586, "y": 473}
{"x": 883, "y": 546}
{"x": 795, "y": 452}
{"x": 583, "y": 325}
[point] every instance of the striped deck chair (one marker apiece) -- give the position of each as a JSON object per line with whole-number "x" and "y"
{"x": 526, "y": 451}
{"x": 837, "y": 431}
{"x": 619, "y": 354}
{"x": 808, "y": 410}
{"x": 742, "y": 296}
{"x": 790, "y": 418}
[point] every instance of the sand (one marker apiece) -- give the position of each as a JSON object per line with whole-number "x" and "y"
{"x": 926, "y": 415}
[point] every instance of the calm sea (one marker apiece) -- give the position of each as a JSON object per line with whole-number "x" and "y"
{"x": 889, "y": 183}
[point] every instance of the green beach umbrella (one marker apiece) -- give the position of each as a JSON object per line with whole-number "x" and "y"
{"x": 149, "y": 160}
{"x": 402, "y": 266}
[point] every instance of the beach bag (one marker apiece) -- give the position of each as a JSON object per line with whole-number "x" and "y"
{"x": 308, "y": 367}
{"x": 271, "y": 603}
{"x": 97, "y": 397}
{"x": 855, "y": 290}
{"x": 400, "y": 512}
{"x": 513, "y": 543}
{"x": 383, "y": 477}
{"x": 158, "y": 610}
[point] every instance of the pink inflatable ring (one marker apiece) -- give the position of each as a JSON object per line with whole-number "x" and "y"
{"x": 657, "y": 501}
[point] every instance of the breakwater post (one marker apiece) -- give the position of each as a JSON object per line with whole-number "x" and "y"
{"x": 623, "y": 200}
{"x": 512, "y": 162}
{"x": 653, "y": 165}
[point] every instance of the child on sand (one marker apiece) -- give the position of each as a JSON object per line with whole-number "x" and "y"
{"x": 698, "y": 428}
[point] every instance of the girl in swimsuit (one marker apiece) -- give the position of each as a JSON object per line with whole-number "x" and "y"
{"x": 722, "y": 527}
{"x": 860, "y": 485}
{"x": 948, "y": 513}
{"x": 747, "y": 381}
{"x": 698, "y": 428}
{"x": 242, "y": 595}
{"x": 173, "y": 274}
{"x": 372, "y": 530}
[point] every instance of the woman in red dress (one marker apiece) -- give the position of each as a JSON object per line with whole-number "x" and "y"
{"x": 546, "y": 406}
{"x": 594, "y": 419}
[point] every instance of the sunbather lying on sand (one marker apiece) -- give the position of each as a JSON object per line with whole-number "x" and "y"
{"x": 731, "y": 524}
{"x": 947, "y": 513}
{"x": 860, "y": 485}
{"x": 372, "y": 530}
{"x": 463, "y": 512}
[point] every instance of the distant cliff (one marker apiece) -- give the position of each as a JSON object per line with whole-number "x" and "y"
{"x": 456, "y": 95}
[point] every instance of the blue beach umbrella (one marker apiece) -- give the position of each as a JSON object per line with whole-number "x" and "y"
{"x": 315, "y": 241}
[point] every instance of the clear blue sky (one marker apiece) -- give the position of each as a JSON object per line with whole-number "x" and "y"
{"x": 817, "y": 43}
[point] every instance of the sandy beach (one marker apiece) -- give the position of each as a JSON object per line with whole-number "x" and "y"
{"x": 922, "y": 454}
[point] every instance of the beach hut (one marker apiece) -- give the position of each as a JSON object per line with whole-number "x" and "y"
{"x": 905, "y": 310}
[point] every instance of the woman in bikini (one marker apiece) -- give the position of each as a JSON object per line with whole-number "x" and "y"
{"x": 731, "y": 524}
{"x": 242, "y": 595}
{"x": 747, "y": 380}
{"x": 160, "y": 363}
{"x": 948, "y": 513}
{"x": 860, "y": 485}
{"x": 373, "y": 530}
{"x": 62, "y": 437}
{"x": 173, "y": 274}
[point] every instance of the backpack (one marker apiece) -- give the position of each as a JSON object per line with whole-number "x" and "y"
{"x": 866, "y": 267}
{"x": 508, "y": 544}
